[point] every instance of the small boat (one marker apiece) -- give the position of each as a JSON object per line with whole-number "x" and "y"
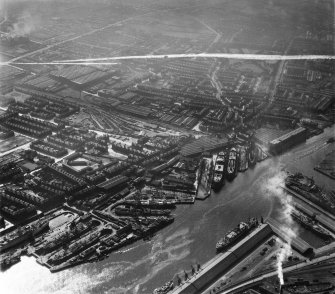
{"x": 165, "y": 288}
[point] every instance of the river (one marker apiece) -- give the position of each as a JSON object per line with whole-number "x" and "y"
{"x": 145, "y": 265}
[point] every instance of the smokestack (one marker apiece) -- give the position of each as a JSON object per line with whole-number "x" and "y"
{"x": 273, "y": 188}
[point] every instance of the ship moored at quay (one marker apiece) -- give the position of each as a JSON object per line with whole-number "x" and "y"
{"x": 237, "y": 158}
{"x": 312, "y": 225}
{"x": 232, "y": 164}
{"x": 219, "y": 171}
{"x": 135, "y": 209}
{"x": 233, "y": 236}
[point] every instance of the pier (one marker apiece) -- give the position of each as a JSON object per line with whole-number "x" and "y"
{"x": 223, "y": 261}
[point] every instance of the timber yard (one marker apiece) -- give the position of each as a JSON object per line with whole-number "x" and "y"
{"x": 97, "y": 158}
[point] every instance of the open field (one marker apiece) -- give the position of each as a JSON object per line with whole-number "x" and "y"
{"x": 13, "y": 142}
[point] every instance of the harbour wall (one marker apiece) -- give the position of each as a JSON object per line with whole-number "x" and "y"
{"x": 223, "y": 261}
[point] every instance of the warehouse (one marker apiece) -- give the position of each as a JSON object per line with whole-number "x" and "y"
{"x": 113, "y": 183}
{"x": 288, "y": 140}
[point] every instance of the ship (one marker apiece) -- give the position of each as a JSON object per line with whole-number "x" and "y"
{"x": 70, "y": 250}
{"x": 7, "y": 262}
{"x": 218, "y": 177}
{"x": 301, "y": 182}
{"x": 152, "y": 203}
{"x": 40, "y": 226}
{"x": 232, "y": 164}
{"x": 126, "y": 211}
{"x": 73, "y": 231}
{"x": 243, "y": 165}
{"x": 165, "y": 288}
{"x": 311, "y": 225}
{"x": 15, "y": 237}
{"x": 252, "y": 155}
{"x": 159, "y": 223}
{"x": 233, "y": 236}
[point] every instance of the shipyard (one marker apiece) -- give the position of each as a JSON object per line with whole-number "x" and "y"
{"x": 135, "y": 159}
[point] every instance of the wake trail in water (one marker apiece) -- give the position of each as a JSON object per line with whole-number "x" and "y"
{"x": 310, "y": 151}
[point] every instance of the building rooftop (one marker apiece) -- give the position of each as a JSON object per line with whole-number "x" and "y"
{"x": 288, "y": 135}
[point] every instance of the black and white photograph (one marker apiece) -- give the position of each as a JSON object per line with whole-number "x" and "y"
{"x": 167, "y": 146}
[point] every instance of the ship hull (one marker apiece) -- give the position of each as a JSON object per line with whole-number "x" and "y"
{"x": 216, "y": 186}
{"x": 240, "y": 235}
{"x": 309, "y": 227}
{"x": 231, "y": 169}
{"x": 7, "y": 263}
{"x": 232, "y": 172}
{"x": 243, "y": 165}
{"x": 232, "y": 242}
{"x": 219, "y": 172}
{"x": 252, "y": 157}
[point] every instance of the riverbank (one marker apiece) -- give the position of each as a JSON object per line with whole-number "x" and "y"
{"x": 146, "y": 265}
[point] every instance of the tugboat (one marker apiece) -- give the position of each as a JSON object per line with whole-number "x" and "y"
{"x": 236, "y": 234}
{"x": 165, "y": 288}
{"x": 218, "y": 178}
{"x": 232, "y": 164}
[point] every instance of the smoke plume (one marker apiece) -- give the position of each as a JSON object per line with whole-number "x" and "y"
{"x": 25, "y": 25}
{"x": 20, "y": 16}
{"x": 272, "y": 188}
{"x": 288, "y": 227}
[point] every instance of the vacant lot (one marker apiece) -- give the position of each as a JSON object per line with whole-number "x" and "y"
{"x": 13, "y": 142}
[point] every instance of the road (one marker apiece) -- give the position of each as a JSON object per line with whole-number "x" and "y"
{"x": 217, "y": 83}
{"x": 107, "y": 60}
{"x": 217, "y": 37}
{"x": 279, "y": 73}
{"x": 218, "y": 87}
{"x": 242, "y": 56}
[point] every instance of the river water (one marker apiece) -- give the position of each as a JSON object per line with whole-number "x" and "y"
{"x": 145, "y": 265}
